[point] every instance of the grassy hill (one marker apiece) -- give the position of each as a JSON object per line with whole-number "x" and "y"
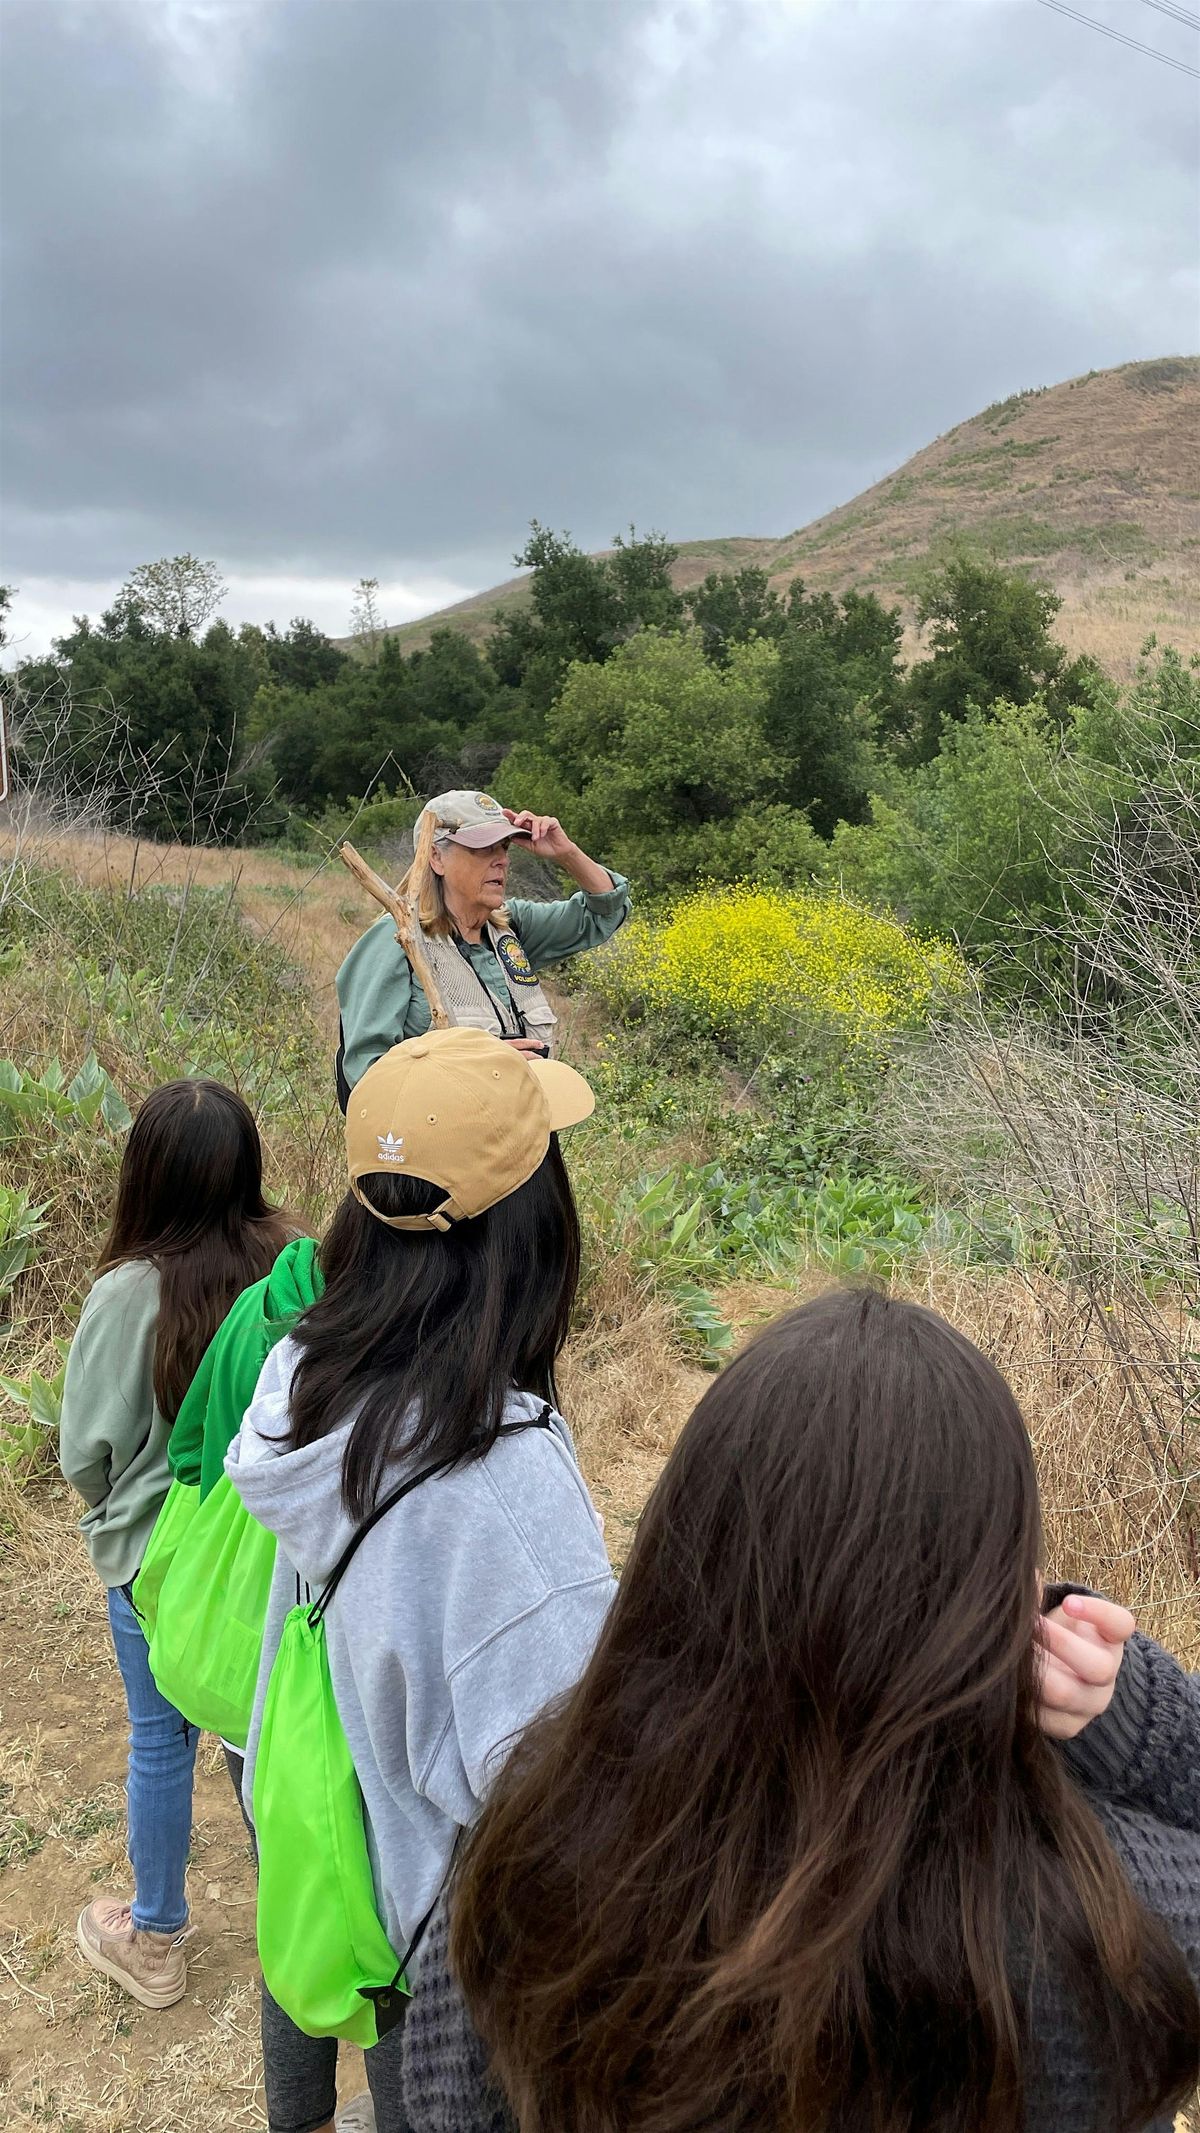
{"x": 1093, "y": 484}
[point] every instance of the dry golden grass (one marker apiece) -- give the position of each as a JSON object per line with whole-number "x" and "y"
{"x": 311, "y": 910}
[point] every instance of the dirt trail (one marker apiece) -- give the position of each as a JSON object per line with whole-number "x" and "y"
{"x": 75, "y": 2053}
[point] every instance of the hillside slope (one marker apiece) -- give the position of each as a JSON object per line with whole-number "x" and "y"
{"x": 1093, "y": 484}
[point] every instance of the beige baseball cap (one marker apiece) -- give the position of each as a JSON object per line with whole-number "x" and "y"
{"x": 463, "y": 1111}
{"x": 470, "y": 818}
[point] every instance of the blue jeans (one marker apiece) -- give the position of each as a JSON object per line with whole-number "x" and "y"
{"x": 162, "y": 1754}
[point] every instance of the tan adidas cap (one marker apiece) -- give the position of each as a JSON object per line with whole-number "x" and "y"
{"x": 462, "y": 1110}
{"x": 470, "y": 818}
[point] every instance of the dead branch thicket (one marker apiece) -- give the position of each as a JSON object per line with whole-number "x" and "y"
{"x": 1081, "y": 1113}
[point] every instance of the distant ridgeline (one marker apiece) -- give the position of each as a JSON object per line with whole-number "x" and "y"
{"x": 782, "y": 711}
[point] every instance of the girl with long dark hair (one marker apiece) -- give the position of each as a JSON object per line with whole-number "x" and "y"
{"x": 450, "y": 1271}
{"x": 191, "y": 1229}
{"x": 798, "y": 1855}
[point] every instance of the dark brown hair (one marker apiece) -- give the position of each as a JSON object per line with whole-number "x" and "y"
{"x": 426, "y": 1333}
{"x": 190, "y": 1199}
{"x": 787, "y": 1856}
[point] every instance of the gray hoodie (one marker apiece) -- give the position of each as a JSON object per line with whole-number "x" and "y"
{"x": 471, "y": 1605}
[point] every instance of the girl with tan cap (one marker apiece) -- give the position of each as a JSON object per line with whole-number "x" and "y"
{"x": 450, "y": 1270}
{"x": 483, "y": 951}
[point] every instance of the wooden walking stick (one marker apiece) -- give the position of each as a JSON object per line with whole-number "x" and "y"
{"x": 408, "y": 931}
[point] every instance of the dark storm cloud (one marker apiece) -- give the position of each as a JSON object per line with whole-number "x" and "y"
{"x": 340, "y": 285}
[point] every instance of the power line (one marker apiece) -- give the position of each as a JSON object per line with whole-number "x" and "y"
{"x": 1151, "y": 51}
{"x": 1175, "y": 14}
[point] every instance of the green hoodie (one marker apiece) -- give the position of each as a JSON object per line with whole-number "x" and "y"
{"x": 223, "y": 1387}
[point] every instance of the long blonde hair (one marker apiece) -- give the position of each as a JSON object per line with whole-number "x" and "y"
{"x": 423, "y": 889}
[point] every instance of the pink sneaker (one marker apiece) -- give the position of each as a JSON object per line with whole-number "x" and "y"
{"x": 151, "y": 1967}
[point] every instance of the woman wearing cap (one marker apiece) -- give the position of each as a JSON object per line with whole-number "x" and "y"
{"x": 484, "y": 952}
{"x": 450, "y": 1270}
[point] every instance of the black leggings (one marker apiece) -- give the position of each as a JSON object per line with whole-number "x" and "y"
{"x": 300, "y": 2072}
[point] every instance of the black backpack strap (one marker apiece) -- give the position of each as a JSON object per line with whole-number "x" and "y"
{"x": 316, "y": 1612}
{"x": 339, "y": 1071}
{"x": 339, "y": 1068}
{"x": 389, "y": 2002}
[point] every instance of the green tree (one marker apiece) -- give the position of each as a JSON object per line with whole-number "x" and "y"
{"x": 581, "y": 608}
{"x": 452, "y": 681}
{"x": 176, "y": 595}
{"x": 358, "y": 732}
{"x": 655, "y": 746}
{"x": 818, "y": 737}
{"x": 990, "y": 635}
{"x": 641, "y": 571}
{"x": 732, "y": 607}
{"x": 429, "y": 720}
{"x": 152, "y": 720}
{"x": 302, "y": 657}
{"x": 972, "y": 843}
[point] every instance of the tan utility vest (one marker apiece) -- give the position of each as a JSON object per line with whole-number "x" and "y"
{"x": 518, "y": 1007}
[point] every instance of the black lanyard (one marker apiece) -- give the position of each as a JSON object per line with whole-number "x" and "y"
{"x": 461, "y": 946}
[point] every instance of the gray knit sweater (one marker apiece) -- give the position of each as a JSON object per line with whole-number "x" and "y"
{"x": 1139, "y": 1767}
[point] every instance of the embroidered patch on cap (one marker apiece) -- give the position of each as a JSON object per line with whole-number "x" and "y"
{"x": 486, "y": 805}
{"x": 516, "y": 962}
{"x": 390, "y": 1146}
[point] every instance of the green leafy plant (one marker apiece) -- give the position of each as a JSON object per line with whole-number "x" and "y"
{"x": 20, "y": 1223}
{"x": 27, "y": 1440}
{"x": 670, "y": 1247}
{"x": 90, "y": 1099}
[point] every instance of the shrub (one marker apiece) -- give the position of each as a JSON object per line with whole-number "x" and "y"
{"x": 728, "y": 962}
{"x": 20, "y": 1223}
{"x": 29, "y": 1439}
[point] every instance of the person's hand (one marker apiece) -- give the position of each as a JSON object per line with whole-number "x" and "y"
{"x": 531, "y": 1046}
{"x": 548, "y": 838}
{"x": 1082, "y": 1646}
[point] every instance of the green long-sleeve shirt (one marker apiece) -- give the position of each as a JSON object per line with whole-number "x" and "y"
{"x": 112, "y": 1443}
{"x": 219, "y": 1394}
{"x": 382, "y": 1003}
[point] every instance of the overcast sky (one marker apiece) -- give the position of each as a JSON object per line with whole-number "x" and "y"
{"x": 326, "y": 288}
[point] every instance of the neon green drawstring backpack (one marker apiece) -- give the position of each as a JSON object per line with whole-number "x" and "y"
{"x": 203, "y": 1587}
{"x": 325, "y": 1955}
{"x": 173, "y": 1522}
{"x": 206, "y": 1641}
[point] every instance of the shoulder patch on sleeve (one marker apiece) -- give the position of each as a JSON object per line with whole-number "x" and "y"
{"x": 516, "y": 963}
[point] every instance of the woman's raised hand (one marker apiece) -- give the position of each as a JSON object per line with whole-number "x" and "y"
{"x": 1082, "y": 1645}
{"x": 549, "y": 839}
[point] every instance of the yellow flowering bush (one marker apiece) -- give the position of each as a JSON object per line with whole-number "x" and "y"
{"x": 748, "y": 958}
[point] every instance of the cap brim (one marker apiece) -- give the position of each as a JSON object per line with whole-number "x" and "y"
{"x": 479, "y": 835}
{"x": 567, "y": 1093}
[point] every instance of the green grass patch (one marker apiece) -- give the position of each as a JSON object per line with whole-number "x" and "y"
{"x": 1002, "y": 412}
{"x": 1165, "y": 375}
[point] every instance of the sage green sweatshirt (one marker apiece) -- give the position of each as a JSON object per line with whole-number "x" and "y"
{"x": 112, "y": 1441}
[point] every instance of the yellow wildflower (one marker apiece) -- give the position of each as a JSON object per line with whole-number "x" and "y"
{"x": 725, "y": 958}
